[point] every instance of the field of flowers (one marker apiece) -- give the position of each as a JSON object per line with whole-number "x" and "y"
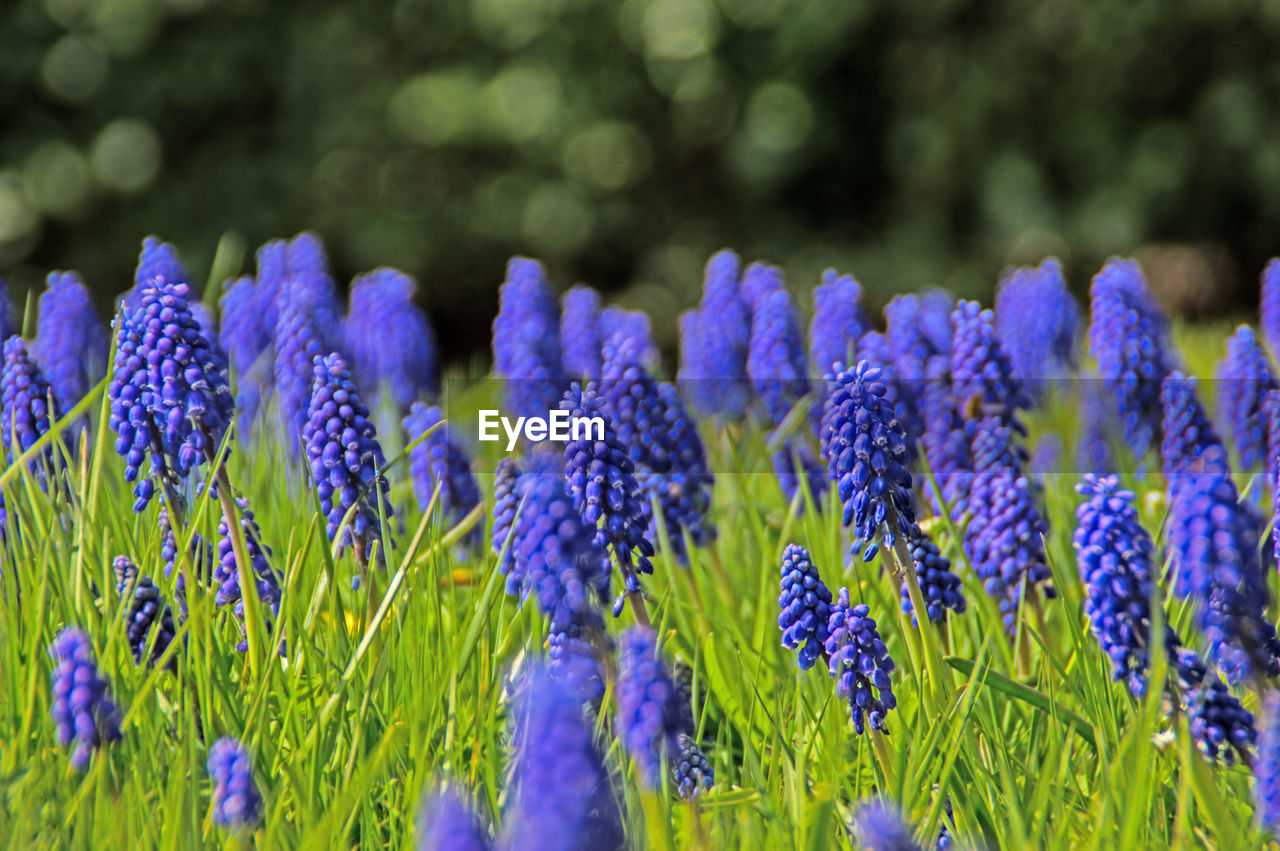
{"x": 999, "y": 579}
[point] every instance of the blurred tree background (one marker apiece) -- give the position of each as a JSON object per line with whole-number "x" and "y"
{"x": 912, "y": 143}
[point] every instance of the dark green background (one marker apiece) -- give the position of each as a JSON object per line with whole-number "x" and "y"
{"x": 908, "y": 142}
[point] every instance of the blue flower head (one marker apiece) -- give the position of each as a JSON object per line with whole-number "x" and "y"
{"x": 866, "y": 454}
{"x": 662, "y": 442}
{"x": 267, "y": 580}
{"x": 448, "y": 823}
{"x": 170, "y": 400}
{"x": 838, "y": 321}
{"x": 345, "y": 457}
{"x": 1129, "y": 339}
{"x": 506, "y": 500}
{"x": 1214, "y": 542}
{"x": 243, "y": 335}
{"x": 793, "y": 459}
{"x": 944, "y": 439}
{"x": 1269, "y": 306}
{"x": 919, "y": 327}
{"x": 157, "y": 261}
{"x": 776, "y": 359}
{"x": 307, "y": 324}
{"x": 981, "y": 372}
{"x": 1038, "y": 323}
{"x": 71, "y": 342}
{"x": 860, "y": 663}
{"x": 941, "y": 589}
{"x": 1186, "y": 430}
{"x": 559, "y": 790}
{"x": 691, "y": 771}
{"x": 905, "y": 401}
{"x": 1266, "y": 768}
{"x": 806, "y": 605}
{"x": 7, "y": 328}
{"x": 602, "y": 482}
{"x": 1218, "y": 722}
{"x": 82, "y": 708}
{"x": 1244, "y": 378}
{"x": 390, "y": 338}
{"x": 633, "y": 328}
{"x": 142, "y": 607}
{"x": 29, "y": 408}
{"x": 714, "y": 346}
{"x": 237, "y": 804}
{"x": 879, "y": 827}
{"x": 580, "y": 332}
{"x": 440, "y": 462}
{"x": 526, "y": 340}
{"x": 651, "y": 715}
{"x": 1093, "y": 444}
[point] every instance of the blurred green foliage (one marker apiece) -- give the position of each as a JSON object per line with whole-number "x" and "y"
{"x": 925, "y": 142}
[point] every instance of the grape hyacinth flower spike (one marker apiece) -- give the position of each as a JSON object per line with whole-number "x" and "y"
{"x": 879, "y": 827}
{"x": 715, "y": 343}
{"x": 346, "y": 459}
{"x": 692, "y": 770}
{"x": 651, "y": 713}
{"x": 866, "y": 454}
{"x": 438, "y": 461}
{"x": 526, "y": 340}
{"x": 1269, "y": 305}
{"x": 142, "y": 608}
{"x": 602, "y": 482}
{"x": 1038, "y": 323}
{"x": 1266, "y": 767}
{"x": 776, "y": 359}
{"x": 237, "y": 804}
{"x": 71, "y": 342}
{"x": 390, "y": 339}
{"x": 506, "y": 501}
{"x": 1244, "y": 378}
{"x": 448, "y": 823}
{"x": 860, "y": 663}
{"x": 29, "y": 409}
{"x": 82, "y": 708}
{"x": 580, "y": 332}
{"x": 170, "y": 400}
{"x": 838, "y": 321}
{"x": 560, "y": 789}
{"x": 226, "y": 576}
{"x": 981, "y": 371}
{"x": 806, "y": 606}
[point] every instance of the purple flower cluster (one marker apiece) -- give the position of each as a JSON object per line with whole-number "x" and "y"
{"x": 879, "y": 827}
{"x": 691, "y": 769}
{"x": 71, "y": 342}
{"x": 630, "y": 328}
{"x": 345, "y": 458}
{"x": 866, "y": 454}
{"x": 860, "y": 663}
{"x": 601, "y": 480}
{"x": 650, "y": 714}
{"x": 560, "y": 791}
{"x": 28, "y": 408}
{"x": 82, "y": 708}
{"x": 1218, "y": 722}
{"x": 526, "y": 340}
{"x": 1129, "y": 338}
{"x": 981, "y": 372}
{"x": 267, "y": 579}
{"x": 1266, "y": 767}
{"x": 1269, "y": 304}
{"x": 1038, "y": 323}
{"x": 440, "y": 462}
{"x": 1244, "y": 378}
{"x": 838, "y": 321}
{"x": 506, "y": 501}
{"x": 170, "y": 401}
{"x": 580, "y": 332}
{"x": 776, "y": 360}
{"x": 142, "y": 608}
{"x": 237, "y": 804}
{"x": 714, "y": 342}
{"x": 945, "y": 440}
{"x": 941, "y": 589}
{"x": 1187, "y": 431}
{"x": 447, "y": 823}
{"x": 158, "y": 261}
{"x": 390, "y": 339}
{"x": 806, "y": 605}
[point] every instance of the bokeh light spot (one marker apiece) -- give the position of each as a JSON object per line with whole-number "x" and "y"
{"x": 523, "y": 102}
{"x": 556, "y": 219}
{"x": 435, "y": 107}
{"x": 679, "y": 29}
{"x": 779, "y": 117}
{"x": 610, "y": 155}
{"x": 74, "y": 68}
{"x": 126, "y": 155}
{"x": 56, "y": 178}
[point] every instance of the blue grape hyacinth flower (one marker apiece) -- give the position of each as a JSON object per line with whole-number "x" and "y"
{"x": 560, "y": 790}
{"x": 941, "y": 589}
{"x": 879, "y": 826}
{"x": 1038, "y": 323}
{"x": 440, "y": 462}
{"x": 526, "y": 340}
{"x": 860, "y": 663}
{"x": 390, "y": 339}
{"x": 7, "y": 328}
{"x": 1218, "y": 722}
{"x": 838, "y": 321}
{"x": 170, "y": 400}
{"x": 1244, "y": 378}
{"x": 651, "y": 715}
{"x": 634, "y": 329}
{"x": 448, "y": 823}
{"x": 71, "y": 342}
{"x": 1129, "y": 339}
{"x": 794, "y": 459}
{"x": 1266, "y": 767}
{"x": 602, "y": 482}
{"x": 866, "y": 454}
{"x": 580, "y": 332}
{"x": 157, "y": 260}
{"x": 905, "y": 402}
{"x": 506, "y": 501}
{"x": 1187, "y": 431}
{"x": 143, "y": 609}
{"x": 29, "y": 409}
{"x": 237, "y": 804}
{"x": 714, "y": 345}
{"x": 267, "y": 580}
{"x": 1214, "y": 542}
{"x": 82, "y": 707}
{"x": 692, "y": 770}
{"x": 981, "y": 372}
{"x": 1269, "y": 305}
{"x": 945, "y": 440}
{"x": 346, "y": 459}
{"x": 805, "y": 602}
{"x": 662, "y": 442}
{"x": 776, "y": 360}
